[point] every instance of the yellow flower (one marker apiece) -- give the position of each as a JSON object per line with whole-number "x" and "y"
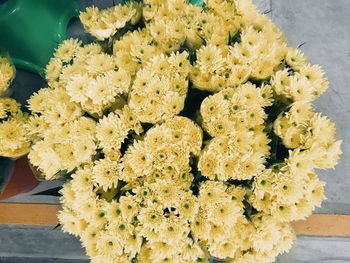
{"x": 266, "y": 237}
{"x": 288, "y": 190}
{"x": 84, "y": 149}
{"x": 224, "y": 213}
{"x": 210, "y": 59}
{"x": 89, "y": 16}
{"x": 100, "y": 92}
{"x": 7, "y": 73}
{"x": 211, "y": 192}
{"x": 89, "y": 239}
{"x": 66, "y": 50}
{"x": 106, "y": 173}
{"x": 295, "y": 58}
{"x": 192, "y": 251}
{"x": 299, "y": 162}
{"x": 239, "y": 75}
{"x": 151, "y": 216}
{"x": 315, "y": 190}
{"x": 223, "y": 249}
{"x": 300, "y": 89}
{"x": 77, "y": 88}
{"x": 38, "y": 101}
{"x": 133, "y": 245}
{"x": 53, "y": 70}
{"x": 200, "y": 227}
{"x": 303, "y": 208}
{"x": 70, "y": 223}
{"x": 129, "y": 208}
{"x": 108, "y": 245}
{"x": 13, "y": 137}
{"x": 167, "y": 192}
{"x": 176, "y": 30}
{"x": 88, "y": 50}
{"x": 326, "y": 158}
{"x": 82, "y": 181}
{"x": 173, "y": 230}
{"x": 111, "y": 131}
{"x": 261, "y": 143}
{"x": 208, "y": 165}
{"x": 36, "y": 127}
{"x": 10, "y": 107}
{"x": 99, "y": 64}
{"x": 84, "y": 126}
{"x": 144, "y": 255}
{"x": 188, "y": 206}
{"x": 280, "y": 82}
{"x": 263, "y": 69}
{"x": 158, "y": 29}
{"x": 282, "y": 212}
{"x": 62, "y": 112}
{"x": 2, "y": 110}
{"x": 119, "y": 80}
{"x": 299, "y": 112}
{"x": 217, "y": 233}
{"x": 161, "y": 251}
{"x": 315, "y": 75}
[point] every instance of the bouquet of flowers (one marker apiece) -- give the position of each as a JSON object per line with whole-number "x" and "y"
{"x": 7, "y": 73}
{"x": 14, "y": 140}
{"x": 13, "y": 133}
{"x": 184, "y": 133}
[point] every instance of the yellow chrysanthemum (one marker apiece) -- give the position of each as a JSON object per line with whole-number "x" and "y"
{"x": 7, "y": 73}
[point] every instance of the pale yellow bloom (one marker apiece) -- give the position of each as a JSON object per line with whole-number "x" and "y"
{"x": 7, "y": 73}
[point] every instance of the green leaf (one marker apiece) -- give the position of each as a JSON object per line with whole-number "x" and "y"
{"x": 57, "y": 226}
{"x": 51, "y": 192}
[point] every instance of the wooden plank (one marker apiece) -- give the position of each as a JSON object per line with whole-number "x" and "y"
{"x": 29, "y": 214}
{"x": 45, "y": 215}
{"x": 324, "y": 225}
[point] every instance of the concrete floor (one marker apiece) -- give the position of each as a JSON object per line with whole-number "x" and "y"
{"x": 323, "y": 27}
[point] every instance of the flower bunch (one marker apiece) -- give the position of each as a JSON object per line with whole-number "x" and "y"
{"x": 305, "y": 84}
{"x": 14, "y": 139}
{"x": 64, "y": 148}
{"x": 89, "y": 78}
{"x": 236, "y": 109}
{"x": 159, "y": 89}
{"x": 7, "y": 73}
{"x": 184, "y": 133}
{"x": 103, "y": 24}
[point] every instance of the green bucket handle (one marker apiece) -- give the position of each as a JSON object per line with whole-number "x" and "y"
{"x": 31, "y": 30}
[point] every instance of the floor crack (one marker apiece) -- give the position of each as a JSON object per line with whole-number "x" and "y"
{"x": 271, "y": 9}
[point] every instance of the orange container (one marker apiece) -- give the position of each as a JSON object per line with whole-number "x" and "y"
{"x": 21, "y": 181}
